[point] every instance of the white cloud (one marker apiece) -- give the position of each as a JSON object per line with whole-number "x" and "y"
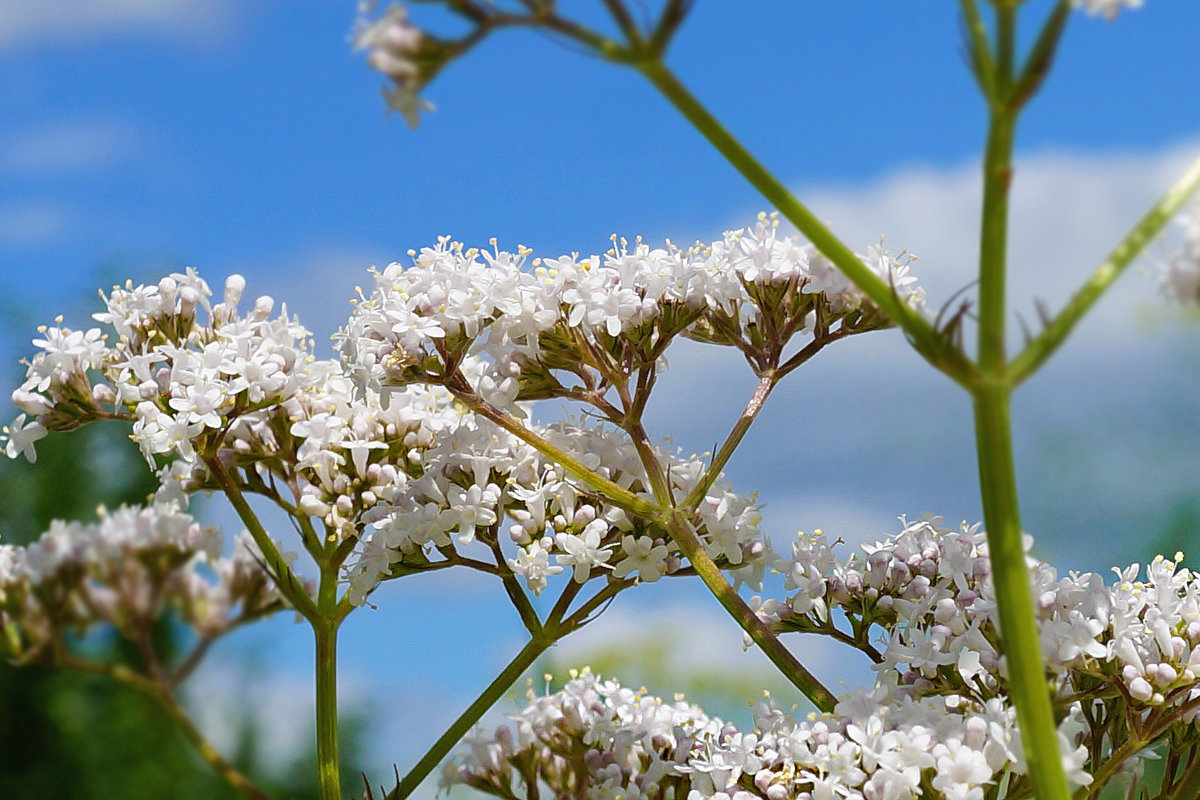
{"x": 68, "y": 146}
{"x": 32, "y": 222}
{"x": 68, "y": 22}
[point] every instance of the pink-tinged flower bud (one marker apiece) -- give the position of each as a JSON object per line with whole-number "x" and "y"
{"x": 103, "y": 394}
{"x": 777, "y": 791}
{"x": 368, "y": 498}
{"x": 148, "y": 390}
{"x": 344, "y": 504}
{"x": 32, "y": 404}
{"x": 504, "y": 738}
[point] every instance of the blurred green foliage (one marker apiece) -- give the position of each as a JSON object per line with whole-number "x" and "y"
{"x": 73, "y": 736}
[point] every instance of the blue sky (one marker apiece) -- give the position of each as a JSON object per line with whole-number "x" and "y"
{"x": 141, "y": 136}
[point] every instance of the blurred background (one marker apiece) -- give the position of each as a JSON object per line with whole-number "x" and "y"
{"x": 143, "y": 136}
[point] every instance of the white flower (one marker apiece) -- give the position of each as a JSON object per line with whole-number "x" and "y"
{"x": 584, "y": 551}
{"x": 19, "y": 437}
{"x": 642, "y": 556}
{"x": 533, "y": 564}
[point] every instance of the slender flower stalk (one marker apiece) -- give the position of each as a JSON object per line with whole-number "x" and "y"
{"x": 939, "y": 351}
{"x": 522, "y": 661}
{"x": 285, "y": 579}
{"x": 1126, "y": 252}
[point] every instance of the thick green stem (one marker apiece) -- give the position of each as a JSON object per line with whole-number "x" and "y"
{"x": 937, "y": 350}
{"x": 993, "y": 439}
{"x": 993, "y": 242}
{"x": 494, "y": 691}
{"x": 1014, "y": 598}
{"x": 325, "y": 630}
{"x": 329, "y": 785}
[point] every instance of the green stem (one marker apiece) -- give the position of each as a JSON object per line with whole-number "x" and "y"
{"x": 285, "y": 579}
{"x": 610, "y": 491}
{"x": 1134, "y": 242}
{"x": 328, "y": 769}
{"x": 681, "y": 531}
{"x": 441, "y": 748}
{"x": 765, "y": 384}
{"x": 1189, "y": 782}
{"x": 937, "y": 350}
{"x": 993, "y": 242}
{"x": 162, "y": 694}
{"x": 325, "y": 630}
{"x": 978, "y": 48}
{"x": 993, "y": 439}
{"x": 1014, "y": 598}
{"x": 684, "y": 535}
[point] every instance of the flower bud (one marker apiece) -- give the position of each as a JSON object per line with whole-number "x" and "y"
{"x": 103, "y": 394}
{"x": 32, "y": 404}
{"x": 312, "y": 506}
{"x": 234, "y": 286}
{"x": 188, "y": 299}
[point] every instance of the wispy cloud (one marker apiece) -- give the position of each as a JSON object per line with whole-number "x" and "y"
{"x": 32, "y": 222}
{"x": 68, "y": 22}
{"x": 68, "y": 146}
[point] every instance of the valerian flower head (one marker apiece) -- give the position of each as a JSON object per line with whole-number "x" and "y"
{"x": 405, "y": 54}
{"x": 598, "y": 739}
{"x": 131, "y": 567}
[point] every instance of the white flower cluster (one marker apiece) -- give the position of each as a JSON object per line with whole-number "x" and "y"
{"x": 173, "y": 376}
{"x": 1124, "y": 659}
{"x": 409, "y": 478}
{"x": 243, "y": 389}
{"x": 1105, "y": 8}
{"x": 128, "y": 569}
{"x": 753, "y": 289}
{"x": 476, "y": 475}
{"x": 598, "y": 740}
{"x": 1181, "y": 280}
{"x": 929, "y": 592}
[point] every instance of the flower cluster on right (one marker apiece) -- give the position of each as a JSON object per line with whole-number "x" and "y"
{"x": 1124, "y": 660}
